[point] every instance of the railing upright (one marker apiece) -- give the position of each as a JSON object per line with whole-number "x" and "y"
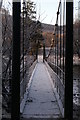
{"x": 63, "y": 38}
{"x": 60, "y": 35}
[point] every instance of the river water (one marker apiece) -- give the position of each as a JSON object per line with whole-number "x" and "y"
{"x": 76, "y": 92}
{"x": 76, "y": 84}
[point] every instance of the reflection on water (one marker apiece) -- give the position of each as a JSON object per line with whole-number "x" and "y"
{"x": 76, "y": 85}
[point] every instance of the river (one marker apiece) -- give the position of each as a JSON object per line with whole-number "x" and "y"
{"x": 76, "y": 84}
{"x": 76, "y": 91}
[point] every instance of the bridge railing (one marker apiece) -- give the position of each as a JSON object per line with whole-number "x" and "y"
{"x": 56, "y": 56}
{"x": 27, "y": 59}
{"x": 28, "y": 53}
{"x": 25, "y": 73}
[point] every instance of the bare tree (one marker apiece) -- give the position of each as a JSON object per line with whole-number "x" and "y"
{"x": 6, "y": 59}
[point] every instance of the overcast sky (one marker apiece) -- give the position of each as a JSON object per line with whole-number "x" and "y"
{"x": 47, "y": 9}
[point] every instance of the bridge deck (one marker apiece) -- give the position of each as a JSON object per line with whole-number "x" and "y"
{"x": 41, "y": 101}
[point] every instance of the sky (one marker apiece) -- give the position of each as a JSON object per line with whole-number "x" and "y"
{"x": 47, "y": 9}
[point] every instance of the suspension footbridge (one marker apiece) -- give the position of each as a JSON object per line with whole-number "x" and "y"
{"x": 39, "y": 84}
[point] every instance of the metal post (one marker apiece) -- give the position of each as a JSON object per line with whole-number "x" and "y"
{"x": 37, "y": 50}
{"x": 23, "y": 47}
{"x": 15, "y": 108}
{"x": 55, "y": 47}
{"x": 1, "y": 41}
{"x": 79, "y": 29}
{"x": 60, "y": 35}
{"x": 63, "y": 34}
{"x": 69, "y": 62}
{"x": 43, "y": 51}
